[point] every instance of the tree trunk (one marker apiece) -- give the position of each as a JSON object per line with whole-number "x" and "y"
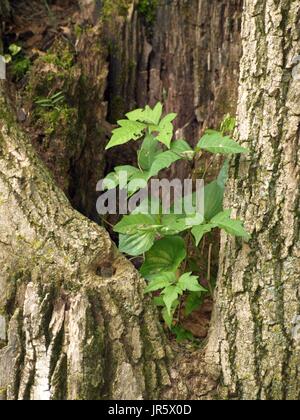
{"x": 74, "y": 323}
{"x": 187, "y": 56}
{"x": 254, "y": 345}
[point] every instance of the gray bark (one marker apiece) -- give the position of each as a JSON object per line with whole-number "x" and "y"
{"x": 254, "y": 346}
{"x": 74, "y": 323}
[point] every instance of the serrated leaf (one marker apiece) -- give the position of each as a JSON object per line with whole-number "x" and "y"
{"x": 199, "y": 231}
{"x": 160, "y": 281}
{"x": 174, "y": 224}
{"x": 194, "y": 219}
{"x": 130, "y": 170}
{"x": 214, "y": 142}
{"x": 189, "y": 282}
{"x": 213, "y": 199}
{"x": 168, "y": 317}
{"x": 231, "y": 226}
{"x": 157, "y": 111}
{"x": 113, "y": 178}
{"x": 182, "y": 148}
{"x": 111, "y": 181}
{"x": 150, "y": 205}
{"x": 170, "y": 275}
{"x": 128, "y": 130}
{"x": 137, "y": 244}
{"x": 148, "y": 152}
{"x": 135, "y": 115}
{"x": 157, "y": 285}
{"x": 170, "y": 295}
{"x": 166, "y": 130}
{"x": 166, "y": 255}
{"x": 135, "y": 223}
{"x": 163, "y": 161}
{"x": 223, "y": 174}
{"x": 147, "y": 115}
{"x": 137, "y": 182}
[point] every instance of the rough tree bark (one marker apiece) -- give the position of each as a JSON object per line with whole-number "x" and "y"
{"x": 254, "y": 345}
{"x": 187, "y": 56}
{"x": 74, "y": 323}
{"x": 73, "y": 320}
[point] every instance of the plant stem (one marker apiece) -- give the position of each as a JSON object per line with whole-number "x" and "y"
{"x": 208, "y": 166}
{"x": 105, "y": 221}
{"x": 209, "y": 270}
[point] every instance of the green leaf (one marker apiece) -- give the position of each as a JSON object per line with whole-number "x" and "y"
{"x": 135, "y": 223}
{"x": 137, "y": 182}
{"x": 223, "y": 175}
{"x": 174, "y": 223}
{"x": 158, "y": 301}
{"x": 228, "y": 124}
{"x": 215, "y": 142}
{"x": 148, "y": 152}
{"x": 213, "y": 199}
{"x": 111, "y": 181}
{"x": 7, "y": 58}
{"x": 170, "y": 295}
{"x": 129, "y": 130}
{"x": 168, "y": 317}
{"x": 162, "y": 161}
{"x": 233, "y": 227}
{"x": 193, "y": 219}
{"x": 160, "y": 281}
{"x": 136, "y": 115}
{"x": 147, "y": 115}
{"x": 150, "y": 205}
{"x": 166, "y": 255}
{"x": 182, "y": 334}
{"x": 156, "y": 113}
{"x": 14, "y": 49}
{"x": 193, "y": 302}
{"x": 157, "y": 285}
{"x": 130, "y": 170}
{"x": 199, "y": 231}
{"x": 137, "y": 244}
{"x": 166, "y": 129}
{"x": 182, "y": 148}
{"x": 189, "y": 282}
{"x": 114, "y": 177}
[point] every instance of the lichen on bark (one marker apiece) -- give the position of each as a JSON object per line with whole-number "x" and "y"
{"x": 77, "y": 324}
{"x": 254, "y": 346}
{"x": 74, "y": 328}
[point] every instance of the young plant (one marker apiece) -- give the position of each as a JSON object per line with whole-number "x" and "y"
{"x": 20, "y": 64}
{"x": 54, "y": 112}
{"x": 161, "y": 239}
{"x": 53, "y": 102}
